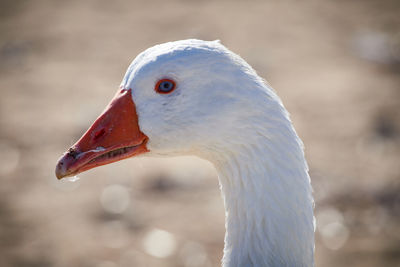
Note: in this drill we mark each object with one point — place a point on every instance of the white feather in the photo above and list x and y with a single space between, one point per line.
224 112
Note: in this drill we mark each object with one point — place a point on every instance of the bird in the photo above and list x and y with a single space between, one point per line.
195 97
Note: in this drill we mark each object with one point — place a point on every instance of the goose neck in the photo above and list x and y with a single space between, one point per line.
268 206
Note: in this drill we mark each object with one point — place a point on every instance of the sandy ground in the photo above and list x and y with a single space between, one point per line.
335 64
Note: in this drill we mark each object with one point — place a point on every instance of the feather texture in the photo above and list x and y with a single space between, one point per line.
222 111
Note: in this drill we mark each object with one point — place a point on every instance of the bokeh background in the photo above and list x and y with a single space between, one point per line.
335 64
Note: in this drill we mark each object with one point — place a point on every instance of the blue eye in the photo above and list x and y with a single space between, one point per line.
165 86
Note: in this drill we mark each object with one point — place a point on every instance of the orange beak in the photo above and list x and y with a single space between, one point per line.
115 135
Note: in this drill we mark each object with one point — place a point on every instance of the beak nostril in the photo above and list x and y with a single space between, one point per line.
99 134
73 152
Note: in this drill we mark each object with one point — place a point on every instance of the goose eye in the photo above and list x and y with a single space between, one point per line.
165 86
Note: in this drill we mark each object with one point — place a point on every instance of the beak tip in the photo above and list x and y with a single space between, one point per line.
61 168
59 172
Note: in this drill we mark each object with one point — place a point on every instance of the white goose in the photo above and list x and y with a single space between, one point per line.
196 97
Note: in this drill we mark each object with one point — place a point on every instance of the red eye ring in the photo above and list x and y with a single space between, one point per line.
165 86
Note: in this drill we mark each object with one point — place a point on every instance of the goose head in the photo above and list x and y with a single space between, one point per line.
195 97
189 97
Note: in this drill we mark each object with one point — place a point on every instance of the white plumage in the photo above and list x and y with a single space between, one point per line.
222 111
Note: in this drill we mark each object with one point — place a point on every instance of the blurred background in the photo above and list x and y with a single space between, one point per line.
335 64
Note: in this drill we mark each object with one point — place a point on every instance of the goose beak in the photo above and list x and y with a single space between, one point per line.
115 135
